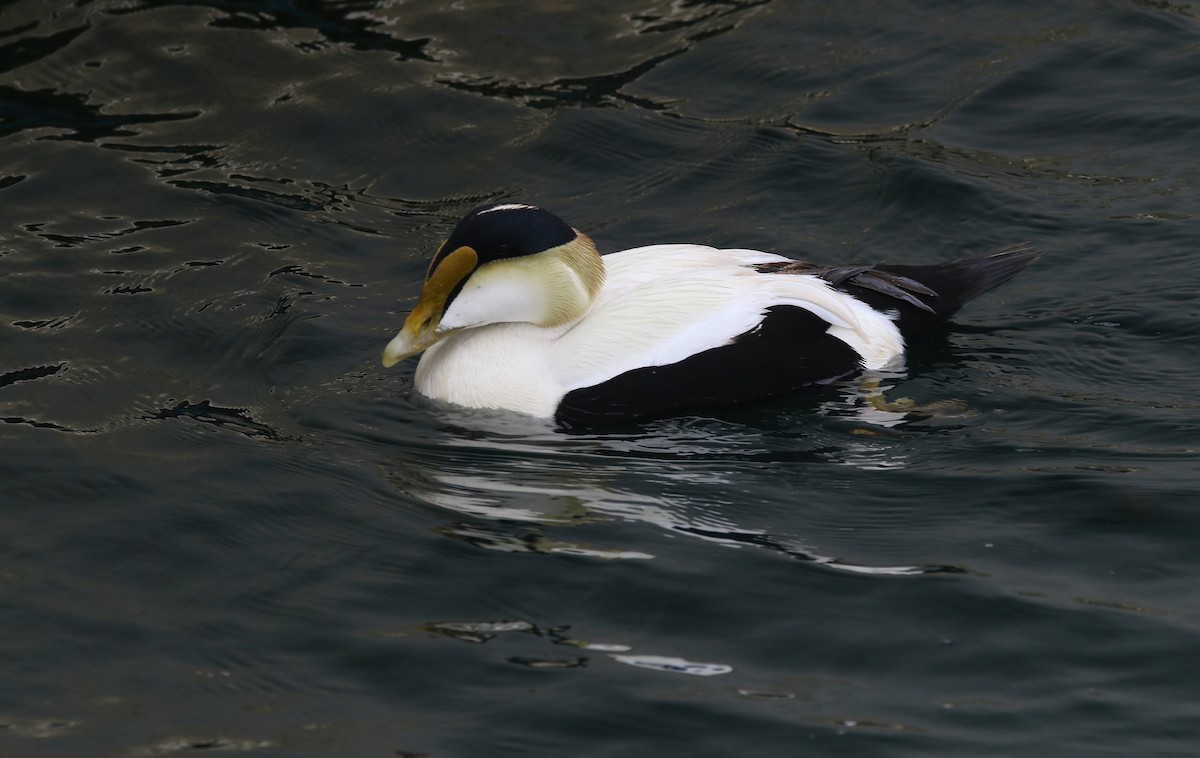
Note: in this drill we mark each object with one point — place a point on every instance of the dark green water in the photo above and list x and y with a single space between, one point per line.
224 527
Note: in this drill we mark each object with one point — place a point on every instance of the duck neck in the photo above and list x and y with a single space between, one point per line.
573 280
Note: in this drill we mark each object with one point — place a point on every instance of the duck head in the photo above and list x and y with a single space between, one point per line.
507 263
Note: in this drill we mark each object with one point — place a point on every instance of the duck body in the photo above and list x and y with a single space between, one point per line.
519 312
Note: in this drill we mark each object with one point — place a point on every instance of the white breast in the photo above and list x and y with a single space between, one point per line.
498 366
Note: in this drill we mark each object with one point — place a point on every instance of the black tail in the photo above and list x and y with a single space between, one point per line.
946 287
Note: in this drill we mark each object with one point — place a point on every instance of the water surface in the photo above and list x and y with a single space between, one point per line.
225 527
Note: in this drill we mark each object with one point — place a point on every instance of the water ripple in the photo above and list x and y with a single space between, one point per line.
70 116
352 25
590 91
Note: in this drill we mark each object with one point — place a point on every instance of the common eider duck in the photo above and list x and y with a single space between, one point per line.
520 312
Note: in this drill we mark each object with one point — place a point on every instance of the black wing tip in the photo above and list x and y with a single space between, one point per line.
926 296
1022 254
992 270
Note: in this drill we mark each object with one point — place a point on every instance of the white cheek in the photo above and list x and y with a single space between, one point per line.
494 296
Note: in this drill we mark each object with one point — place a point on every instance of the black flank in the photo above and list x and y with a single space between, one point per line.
789 349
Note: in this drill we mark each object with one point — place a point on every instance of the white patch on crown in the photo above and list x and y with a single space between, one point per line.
508 207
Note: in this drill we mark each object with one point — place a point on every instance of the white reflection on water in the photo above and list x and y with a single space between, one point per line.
685 478
673 665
